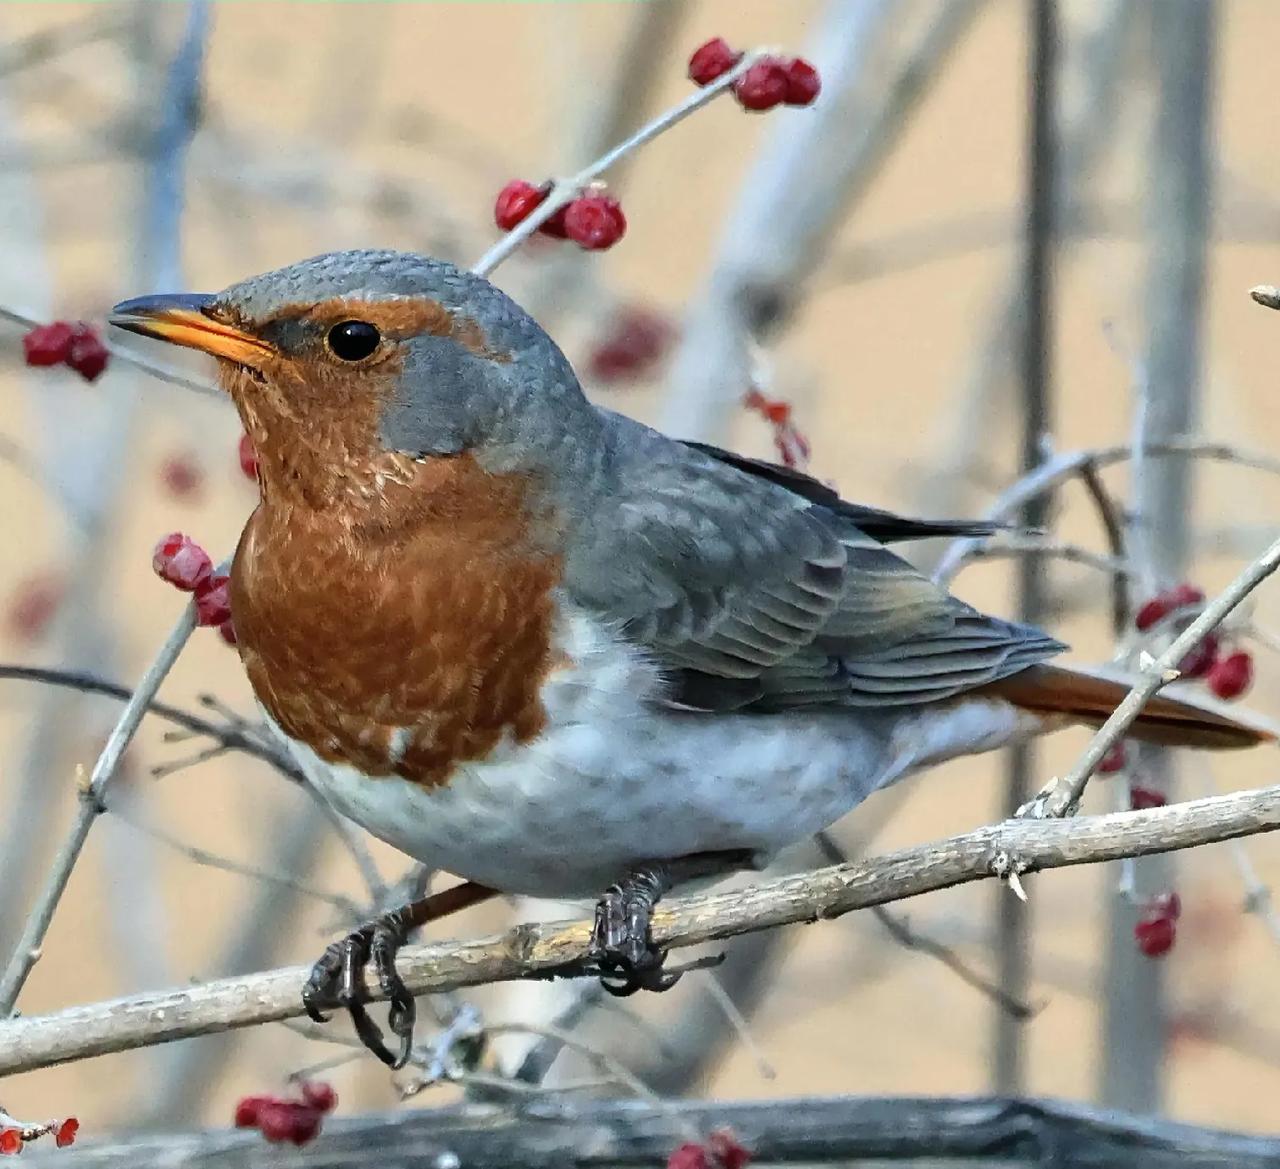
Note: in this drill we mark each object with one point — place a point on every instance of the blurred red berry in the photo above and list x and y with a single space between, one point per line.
287 1120
227 631
727 1151
1231 676
11 1140
1162 604
711 60
1114 760
1141 798
66 1132
634 341
213 600
179 560
86 353
595 222
1199 661
182 476
319 1095
248 457
1155 935
248 1109
47 344
514 203
803 82
1164 905
689 1156
763 86
34 605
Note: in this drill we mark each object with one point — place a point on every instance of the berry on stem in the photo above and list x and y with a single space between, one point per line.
10 1140
1155 935
1141 798
47 344
711 60
1115 759
182 562
1199 661
66 1132
514 203
595 222
86 353
1155 610
763 86
247 1110
213 600
1231 676
803 82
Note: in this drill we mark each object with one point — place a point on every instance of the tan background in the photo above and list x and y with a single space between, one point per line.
450 100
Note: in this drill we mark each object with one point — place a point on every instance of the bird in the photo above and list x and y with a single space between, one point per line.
543 647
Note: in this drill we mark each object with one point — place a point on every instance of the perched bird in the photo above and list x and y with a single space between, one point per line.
550 650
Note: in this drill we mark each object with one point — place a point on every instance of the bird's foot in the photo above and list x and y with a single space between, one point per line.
337 981
622 949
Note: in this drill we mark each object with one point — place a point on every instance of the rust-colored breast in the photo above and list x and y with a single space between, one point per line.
405 638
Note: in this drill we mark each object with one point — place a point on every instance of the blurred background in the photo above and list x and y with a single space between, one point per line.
151 146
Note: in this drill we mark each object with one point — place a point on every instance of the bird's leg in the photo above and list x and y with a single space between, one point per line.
337 979
621 946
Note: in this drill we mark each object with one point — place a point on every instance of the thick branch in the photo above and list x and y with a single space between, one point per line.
1015 846
556 1134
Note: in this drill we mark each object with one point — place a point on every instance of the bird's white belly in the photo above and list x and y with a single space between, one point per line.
615 779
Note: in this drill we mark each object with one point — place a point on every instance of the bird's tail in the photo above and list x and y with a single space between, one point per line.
1076 695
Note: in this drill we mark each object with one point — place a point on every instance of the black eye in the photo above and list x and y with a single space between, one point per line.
353 340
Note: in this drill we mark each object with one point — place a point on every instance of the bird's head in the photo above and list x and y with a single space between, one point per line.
347 363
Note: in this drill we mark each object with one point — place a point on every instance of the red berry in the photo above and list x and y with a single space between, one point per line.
227 631
1200 660
595 222
66 1133
287 1120
803 82
724 1147
248 457
1181 596
712 60
689 1156
514 203
11 1140
1155 935
1164 905
763 86
1114 760
47 344
248 1109
1141 798
34 605
635 340
86 353
182 476
1231 676
319 1095
213 600
182 562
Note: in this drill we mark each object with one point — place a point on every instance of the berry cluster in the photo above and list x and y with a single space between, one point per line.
1226 675
791 445
62 343
284 1118
181 562
634 341
721 1150
594 220
771 81
1157 927
14 1136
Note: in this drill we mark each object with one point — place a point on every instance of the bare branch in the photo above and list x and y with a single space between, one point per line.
1019 846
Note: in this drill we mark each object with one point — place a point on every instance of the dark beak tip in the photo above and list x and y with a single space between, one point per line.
157 305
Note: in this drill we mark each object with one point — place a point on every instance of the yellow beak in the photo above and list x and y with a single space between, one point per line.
183 319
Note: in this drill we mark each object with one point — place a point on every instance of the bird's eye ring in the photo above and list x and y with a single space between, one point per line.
353 340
